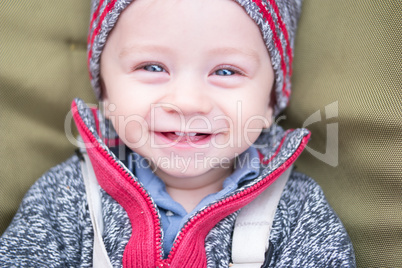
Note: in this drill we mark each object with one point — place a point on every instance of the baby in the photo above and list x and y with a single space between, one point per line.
183 150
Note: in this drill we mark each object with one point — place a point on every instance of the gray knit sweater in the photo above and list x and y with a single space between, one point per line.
52 227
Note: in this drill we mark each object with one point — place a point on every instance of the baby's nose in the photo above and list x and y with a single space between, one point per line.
188 98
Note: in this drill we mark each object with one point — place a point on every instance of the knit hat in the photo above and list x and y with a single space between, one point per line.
277 20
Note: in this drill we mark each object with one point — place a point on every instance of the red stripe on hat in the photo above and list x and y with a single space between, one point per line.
288 48
277 41
109 7
285 31
94 16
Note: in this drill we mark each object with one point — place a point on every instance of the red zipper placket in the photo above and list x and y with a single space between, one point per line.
237 200
127 177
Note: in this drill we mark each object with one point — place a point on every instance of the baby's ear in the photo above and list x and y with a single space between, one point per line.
104 104
269 115
104 100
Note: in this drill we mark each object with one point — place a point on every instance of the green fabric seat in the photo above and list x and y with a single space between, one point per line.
42 68
348 64
347 89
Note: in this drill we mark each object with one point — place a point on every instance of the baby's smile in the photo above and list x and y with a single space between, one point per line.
184 139
185 136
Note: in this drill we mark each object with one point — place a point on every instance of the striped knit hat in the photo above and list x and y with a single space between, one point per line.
277 20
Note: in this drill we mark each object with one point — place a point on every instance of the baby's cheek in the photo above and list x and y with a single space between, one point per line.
132 130
257 115
224 141
252 128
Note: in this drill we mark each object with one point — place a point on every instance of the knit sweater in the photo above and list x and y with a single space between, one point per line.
52 227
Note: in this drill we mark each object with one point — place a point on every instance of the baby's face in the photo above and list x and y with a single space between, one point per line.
187 84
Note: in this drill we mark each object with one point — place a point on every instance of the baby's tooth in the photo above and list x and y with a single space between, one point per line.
191 134
179 133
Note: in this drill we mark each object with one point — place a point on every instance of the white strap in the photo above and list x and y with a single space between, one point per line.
92 188
253 226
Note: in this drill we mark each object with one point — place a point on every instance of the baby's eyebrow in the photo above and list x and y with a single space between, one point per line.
139 49
227 51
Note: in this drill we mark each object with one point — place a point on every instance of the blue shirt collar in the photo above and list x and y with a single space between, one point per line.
246 167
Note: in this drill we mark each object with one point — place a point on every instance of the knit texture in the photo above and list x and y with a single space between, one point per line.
52 227
276 19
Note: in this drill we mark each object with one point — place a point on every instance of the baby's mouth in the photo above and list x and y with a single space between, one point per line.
187 137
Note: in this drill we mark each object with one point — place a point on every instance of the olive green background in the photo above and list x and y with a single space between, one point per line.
348 54
351 52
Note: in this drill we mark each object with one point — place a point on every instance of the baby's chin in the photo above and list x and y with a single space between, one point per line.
193 170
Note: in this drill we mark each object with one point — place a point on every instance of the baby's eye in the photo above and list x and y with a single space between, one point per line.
153 68
224 72
227 70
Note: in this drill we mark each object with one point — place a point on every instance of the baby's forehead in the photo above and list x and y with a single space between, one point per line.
275 19
201 25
